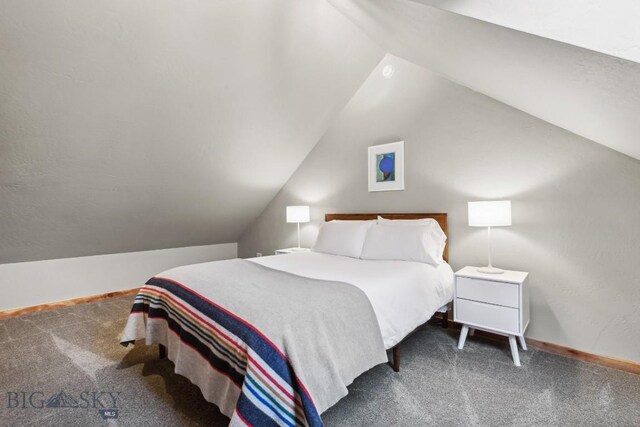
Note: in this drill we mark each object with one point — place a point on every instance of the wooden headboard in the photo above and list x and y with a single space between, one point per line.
440 217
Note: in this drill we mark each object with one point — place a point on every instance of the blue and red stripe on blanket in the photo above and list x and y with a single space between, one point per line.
272 348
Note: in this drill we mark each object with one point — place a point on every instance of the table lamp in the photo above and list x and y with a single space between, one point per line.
490 214
298 214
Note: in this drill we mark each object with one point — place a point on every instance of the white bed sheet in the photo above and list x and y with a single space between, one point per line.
403 294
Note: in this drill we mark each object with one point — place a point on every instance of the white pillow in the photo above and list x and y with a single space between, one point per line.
344 238
436 231
388 242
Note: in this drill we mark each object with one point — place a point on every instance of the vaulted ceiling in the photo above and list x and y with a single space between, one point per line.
591 94
152 124
140 125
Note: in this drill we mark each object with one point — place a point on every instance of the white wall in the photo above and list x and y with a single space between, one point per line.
25 284
607 26
575 202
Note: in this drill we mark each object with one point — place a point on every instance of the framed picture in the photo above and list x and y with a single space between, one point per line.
386 167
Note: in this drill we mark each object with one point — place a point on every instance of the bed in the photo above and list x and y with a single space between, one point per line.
276 340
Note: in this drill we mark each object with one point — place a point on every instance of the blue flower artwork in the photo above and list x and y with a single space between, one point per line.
386 167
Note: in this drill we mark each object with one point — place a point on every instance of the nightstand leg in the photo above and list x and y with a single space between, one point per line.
514 350
471 332
522 343
463 336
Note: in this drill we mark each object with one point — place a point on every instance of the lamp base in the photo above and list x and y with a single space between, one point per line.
490 270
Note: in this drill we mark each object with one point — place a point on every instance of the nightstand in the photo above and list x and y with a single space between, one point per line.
291 250
497 303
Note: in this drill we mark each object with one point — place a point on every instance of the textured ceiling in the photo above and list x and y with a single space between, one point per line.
140 125
591 94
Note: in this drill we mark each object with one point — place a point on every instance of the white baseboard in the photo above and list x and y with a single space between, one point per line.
25 284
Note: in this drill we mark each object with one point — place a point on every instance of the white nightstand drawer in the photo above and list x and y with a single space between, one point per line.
490 316
500 293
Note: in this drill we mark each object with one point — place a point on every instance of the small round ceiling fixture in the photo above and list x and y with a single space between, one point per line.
387 71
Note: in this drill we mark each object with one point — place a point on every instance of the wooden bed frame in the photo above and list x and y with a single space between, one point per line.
442 220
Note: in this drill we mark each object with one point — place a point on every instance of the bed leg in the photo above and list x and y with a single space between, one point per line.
395 362
162 351
445 319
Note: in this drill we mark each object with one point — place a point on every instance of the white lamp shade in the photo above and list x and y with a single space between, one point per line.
297 213
490 213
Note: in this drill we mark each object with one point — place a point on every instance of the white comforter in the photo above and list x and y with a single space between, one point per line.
403 294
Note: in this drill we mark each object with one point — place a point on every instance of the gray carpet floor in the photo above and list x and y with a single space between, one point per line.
69 354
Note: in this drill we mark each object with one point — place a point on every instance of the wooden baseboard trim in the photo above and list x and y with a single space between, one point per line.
609 362
59 304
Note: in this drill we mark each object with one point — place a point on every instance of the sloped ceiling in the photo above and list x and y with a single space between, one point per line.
606 26
591 94
131 126
140 125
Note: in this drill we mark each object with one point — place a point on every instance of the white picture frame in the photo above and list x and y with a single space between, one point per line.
392 156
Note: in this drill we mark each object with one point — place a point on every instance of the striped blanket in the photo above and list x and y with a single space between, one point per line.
267 347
